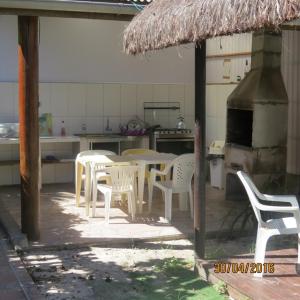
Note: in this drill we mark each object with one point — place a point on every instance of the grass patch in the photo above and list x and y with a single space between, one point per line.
173 278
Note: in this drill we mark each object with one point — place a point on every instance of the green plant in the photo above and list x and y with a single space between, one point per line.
221 287
172 263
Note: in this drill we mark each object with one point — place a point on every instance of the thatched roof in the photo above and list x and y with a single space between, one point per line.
165 23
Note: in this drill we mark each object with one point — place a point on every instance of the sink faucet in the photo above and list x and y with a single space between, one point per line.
107 128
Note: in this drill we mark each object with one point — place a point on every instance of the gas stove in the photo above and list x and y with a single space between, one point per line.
172 140
172 131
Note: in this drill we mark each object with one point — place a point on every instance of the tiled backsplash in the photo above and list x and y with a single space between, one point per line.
82 105
85 105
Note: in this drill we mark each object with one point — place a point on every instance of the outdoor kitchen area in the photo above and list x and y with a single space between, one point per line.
149 150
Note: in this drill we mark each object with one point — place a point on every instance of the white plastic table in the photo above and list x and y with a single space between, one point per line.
142 160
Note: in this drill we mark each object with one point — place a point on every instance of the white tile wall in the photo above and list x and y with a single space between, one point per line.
216 69
45 98
94 100
219 88
161 93
216 108
76 100
236 43
89 105
128 100
59 99
112 100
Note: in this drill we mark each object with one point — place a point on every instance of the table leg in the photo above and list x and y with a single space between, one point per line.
87 192
141 185
78 180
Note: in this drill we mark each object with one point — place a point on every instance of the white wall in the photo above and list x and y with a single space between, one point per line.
236 51
92 104
90 51
86 79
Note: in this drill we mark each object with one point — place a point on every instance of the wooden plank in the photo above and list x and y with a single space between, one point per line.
292 27
199 186
29 125
66 14
236 54
282 284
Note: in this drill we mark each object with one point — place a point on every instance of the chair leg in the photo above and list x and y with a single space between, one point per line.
78 180
131 202
94 199
191 202
168 205
107 197
260 248
129 207
150 195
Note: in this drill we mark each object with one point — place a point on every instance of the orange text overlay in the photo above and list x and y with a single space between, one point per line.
222 267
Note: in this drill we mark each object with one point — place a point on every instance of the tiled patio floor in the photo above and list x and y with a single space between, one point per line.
64 223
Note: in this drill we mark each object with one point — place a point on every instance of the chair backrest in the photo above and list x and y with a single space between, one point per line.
183 170
94 152
122 177
252 193
138 151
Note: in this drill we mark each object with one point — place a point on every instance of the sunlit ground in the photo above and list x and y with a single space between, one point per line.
161 270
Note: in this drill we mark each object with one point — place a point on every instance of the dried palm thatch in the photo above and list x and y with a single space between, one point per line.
167 23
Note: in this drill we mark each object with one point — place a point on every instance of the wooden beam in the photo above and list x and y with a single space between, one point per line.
291 27
200 174
224 55
66 14
29 125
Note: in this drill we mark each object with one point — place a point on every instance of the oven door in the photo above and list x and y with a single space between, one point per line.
175 145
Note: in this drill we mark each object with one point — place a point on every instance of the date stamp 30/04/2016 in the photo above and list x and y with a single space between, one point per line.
228 267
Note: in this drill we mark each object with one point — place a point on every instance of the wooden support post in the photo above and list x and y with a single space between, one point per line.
29 125
200 153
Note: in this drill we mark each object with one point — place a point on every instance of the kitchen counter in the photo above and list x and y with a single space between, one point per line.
43 139
109 136
98 141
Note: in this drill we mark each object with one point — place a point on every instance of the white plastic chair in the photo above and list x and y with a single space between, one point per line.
266 229
182 169
79 176
122 182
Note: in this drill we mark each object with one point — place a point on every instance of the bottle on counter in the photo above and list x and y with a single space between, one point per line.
247 67
63 129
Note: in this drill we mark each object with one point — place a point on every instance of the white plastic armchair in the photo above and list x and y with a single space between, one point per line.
271 227
122 182
79 167
182 169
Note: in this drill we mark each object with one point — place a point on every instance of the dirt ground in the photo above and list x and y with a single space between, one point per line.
161 270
